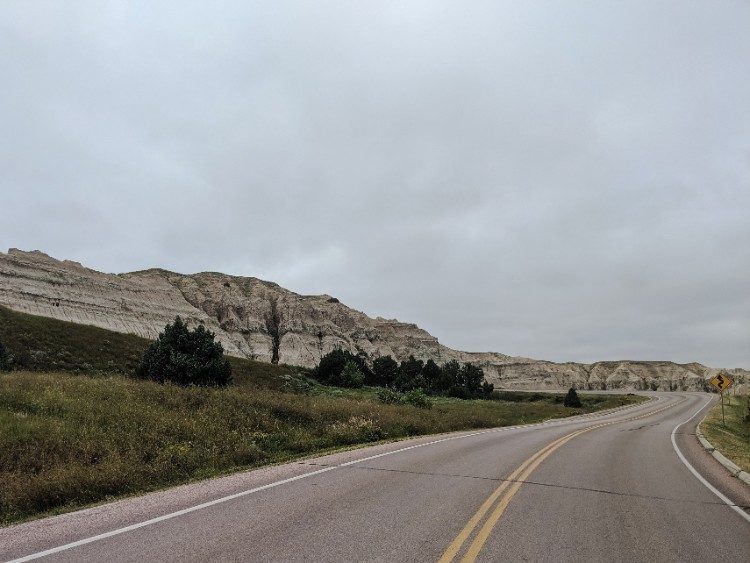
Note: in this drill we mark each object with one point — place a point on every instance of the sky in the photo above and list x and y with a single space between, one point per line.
556 180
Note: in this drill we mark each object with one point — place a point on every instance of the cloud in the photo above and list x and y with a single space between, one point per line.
564 182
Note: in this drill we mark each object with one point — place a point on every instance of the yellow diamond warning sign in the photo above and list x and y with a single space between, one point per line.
721 381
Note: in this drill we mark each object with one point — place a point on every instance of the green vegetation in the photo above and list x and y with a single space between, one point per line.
388 396
75 431
39 343
43 344
732 438
185 357
385 370
450 380
5 363
343 369
415 397
350 376
572 400
69 440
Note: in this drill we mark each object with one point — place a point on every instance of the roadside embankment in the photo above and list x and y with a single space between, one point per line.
729 441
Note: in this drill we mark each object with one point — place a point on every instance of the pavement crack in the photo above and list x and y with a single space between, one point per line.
425 473
641 427
634 495
537 483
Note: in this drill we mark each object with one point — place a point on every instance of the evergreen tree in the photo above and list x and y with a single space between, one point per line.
185 357
410 375
350 376
361 361
449 378
385 370
471 379
487 389
431 374
572 399
331 366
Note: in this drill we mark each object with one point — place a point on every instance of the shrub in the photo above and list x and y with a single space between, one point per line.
5 363
487 389
471 379
448 378
415 397
389 396
418 398
572 400
452 379
185 357
431 373
385 370
350 376
410 375
331 366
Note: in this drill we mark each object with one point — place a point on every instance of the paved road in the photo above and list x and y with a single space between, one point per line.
605 487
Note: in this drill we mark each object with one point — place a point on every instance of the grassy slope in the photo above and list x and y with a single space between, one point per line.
39 343
733 438
70 439
43 344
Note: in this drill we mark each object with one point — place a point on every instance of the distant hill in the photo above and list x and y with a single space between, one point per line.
260 320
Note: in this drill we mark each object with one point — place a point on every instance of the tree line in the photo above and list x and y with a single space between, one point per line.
193 357
452 379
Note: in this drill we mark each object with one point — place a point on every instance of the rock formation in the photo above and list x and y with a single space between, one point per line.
261 320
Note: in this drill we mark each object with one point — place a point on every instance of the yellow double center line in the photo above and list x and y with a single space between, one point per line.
512 483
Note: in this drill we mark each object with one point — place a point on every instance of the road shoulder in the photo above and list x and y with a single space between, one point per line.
708 466
733 469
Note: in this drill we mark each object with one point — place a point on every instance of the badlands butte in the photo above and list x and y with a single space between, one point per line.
261 320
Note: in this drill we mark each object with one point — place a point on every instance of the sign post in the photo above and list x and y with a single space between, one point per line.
721 381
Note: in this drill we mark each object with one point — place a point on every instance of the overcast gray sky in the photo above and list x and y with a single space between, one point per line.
564 180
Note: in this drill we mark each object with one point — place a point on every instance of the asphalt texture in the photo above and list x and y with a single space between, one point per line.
618 491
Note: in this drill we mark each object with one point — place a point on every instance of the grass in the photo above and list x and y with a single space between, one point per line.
43 344
76 432
40 343
733 438
69 439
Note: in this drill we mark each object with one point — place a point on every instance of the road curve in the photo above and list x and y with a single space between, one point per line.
600 487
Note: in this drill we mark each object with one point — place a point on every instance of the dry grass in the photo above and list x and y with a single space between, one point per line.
70 440
733 438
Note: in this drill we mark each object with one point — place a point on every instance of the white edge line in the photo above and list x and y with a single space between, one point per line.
697 475
274 484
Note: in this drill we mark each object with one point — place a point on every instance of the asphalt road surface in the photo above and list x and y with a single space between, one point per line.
610 487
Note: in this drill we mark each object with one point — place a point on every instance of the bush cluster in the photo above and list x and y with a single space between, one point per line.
342 369
452 379
415 397
185 357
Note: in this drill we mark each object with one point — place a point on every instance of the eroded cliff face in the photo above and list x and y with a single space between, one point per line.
251 317
261 320
628 375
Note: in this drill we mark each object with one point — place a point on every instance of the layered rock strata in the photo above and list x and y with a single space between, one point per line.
261 320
